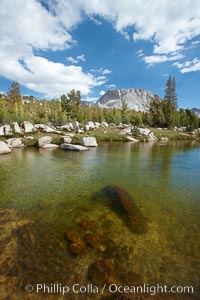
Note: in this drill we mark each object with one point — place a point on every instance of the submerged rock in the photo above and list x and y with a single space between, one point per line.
86 224
124 206
10 272
76 244
72 234
102 272
109 249
41 255
92 240
77 247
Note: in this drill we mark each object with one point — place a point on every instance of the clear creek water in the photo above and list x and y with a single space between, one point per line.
55 189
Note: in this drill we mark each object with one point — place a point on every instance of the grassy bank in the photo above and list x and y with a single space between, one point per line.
173 135
101 134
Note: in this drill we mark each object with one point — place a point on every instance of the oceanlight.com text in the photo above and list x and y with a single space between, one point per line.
56 288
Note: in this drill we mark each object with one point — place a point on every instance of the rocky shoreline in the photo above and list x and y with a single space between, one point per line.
77 137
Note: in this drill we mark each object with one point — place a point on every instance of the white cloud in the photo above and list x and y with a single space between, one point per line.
126 35
195 42
168 25
72 60
97 22
101 93
100 80
91 99
154 59
81 57
77 59
111 86
192 68
26 26
106 71
101 70
140 53
50 78
189 66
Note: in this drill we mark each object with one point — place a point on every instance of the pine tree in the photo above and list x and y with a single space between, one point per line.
117 117
13 96
63 100
170 102
170 91
3 111
71 103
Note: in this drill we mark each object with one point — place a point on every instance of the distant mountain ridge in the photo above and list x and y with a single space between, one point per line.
86 103
135 98
196 111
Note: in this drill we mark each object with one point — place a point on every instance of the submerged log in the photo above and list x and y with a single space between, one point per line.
122 203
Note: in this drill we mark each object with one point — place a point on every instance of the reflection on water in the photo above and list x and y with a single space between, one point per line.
56 188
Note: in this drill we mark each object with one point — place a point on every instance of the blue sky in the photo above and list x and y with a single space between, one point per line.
51 47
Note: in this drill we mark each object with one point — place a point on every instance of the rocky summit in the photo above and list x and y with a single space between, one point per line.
135 98
196 111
